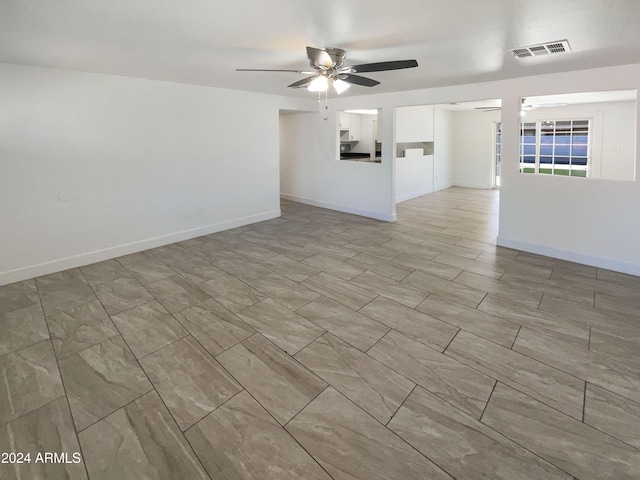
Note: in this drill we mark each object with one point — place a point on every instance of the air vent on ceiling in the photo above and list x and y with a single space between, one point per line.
559 46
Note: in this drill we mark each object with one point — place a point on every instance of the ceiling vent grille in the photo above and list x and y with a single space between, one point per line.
560 46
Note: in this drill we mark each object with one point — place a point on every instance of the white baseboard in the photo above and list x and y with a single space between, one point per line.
471 185
80 260
409 196
437 188
592 260
340 208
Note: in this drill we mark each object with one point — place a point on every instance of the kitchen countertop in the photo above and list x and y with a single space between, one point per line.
354 155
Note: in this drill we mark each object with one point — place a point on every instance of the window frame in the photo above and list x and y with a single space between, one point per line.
594 144
541 130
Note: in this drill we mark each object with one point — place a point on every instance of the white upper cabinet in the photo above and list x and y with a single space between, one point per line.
414 124
349 127
354 127
345 121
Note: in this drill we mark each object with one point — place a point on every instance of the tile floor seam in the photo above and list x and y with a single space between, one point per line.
515 338
153 387
415 385
302 306
280 303
424 387
378 341
596 383
364 306
376 361
184 432
519 444
453 280
64 389
598 429
393 328
488 399
256 399
384 426
584 402
460 329
327 331
199 342
517 387
15 352
572 418
163 306
328 385
188 335
298 362
184 437
303 447
90 346
450 341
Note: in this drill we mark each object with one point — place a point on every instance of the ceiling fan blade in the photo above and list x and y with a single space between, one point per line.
303 83
358 80
384 66
488 109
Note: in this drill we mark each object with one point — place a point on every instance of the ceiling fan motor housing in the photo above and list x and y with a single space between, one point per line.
326 58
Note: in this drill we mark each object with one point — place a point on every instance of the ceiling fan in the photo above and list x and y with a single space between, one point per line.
329 69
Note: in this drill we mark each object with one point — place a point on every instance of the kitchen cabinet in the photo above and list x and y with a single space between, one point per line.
354 127
345 120
349 127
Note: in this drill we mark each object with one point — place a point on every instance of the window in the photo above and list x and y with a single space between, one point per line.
555 147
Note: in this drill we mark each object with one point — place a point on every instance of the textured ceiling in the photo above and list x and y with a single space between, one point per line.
202 41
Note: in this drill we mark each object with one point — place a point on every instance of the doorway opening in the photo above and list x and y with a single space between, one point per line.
444 145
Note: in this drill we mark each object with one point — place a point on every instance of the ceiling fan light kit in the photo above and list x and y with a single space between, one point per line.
318 84
329 69
340 86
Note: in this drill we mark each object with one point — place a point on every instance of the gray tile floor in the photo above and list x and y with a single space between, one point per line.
324 345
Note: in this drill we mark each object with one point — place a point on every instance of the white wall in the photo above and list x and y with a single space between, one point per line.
414 124
474 148
414 175
95 166
443 149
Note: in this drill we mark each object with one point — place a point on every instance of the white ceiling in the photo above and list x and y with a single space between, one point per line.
203 41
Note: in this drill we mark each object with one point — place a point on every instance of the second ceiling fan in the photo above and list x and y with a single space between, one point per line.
329 69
